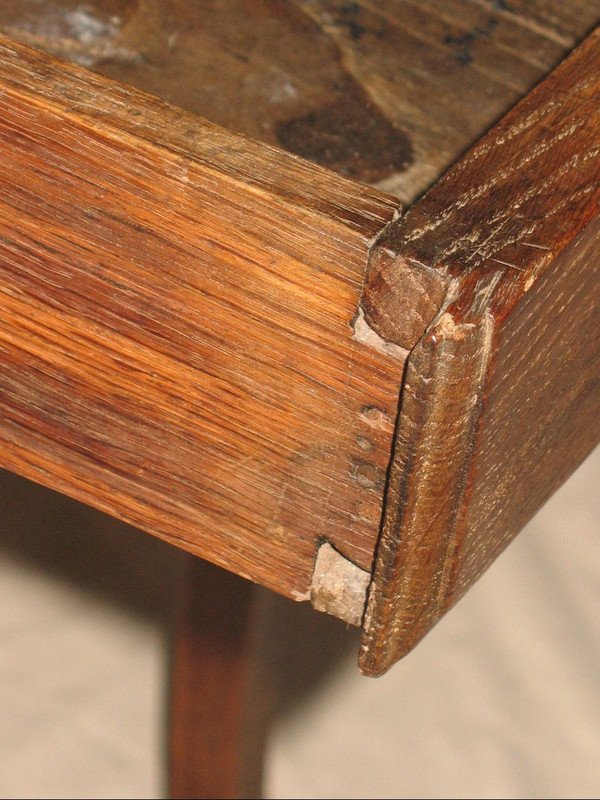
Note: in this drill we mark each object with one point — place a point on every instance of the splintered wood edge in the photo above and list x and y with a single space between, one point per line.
471 261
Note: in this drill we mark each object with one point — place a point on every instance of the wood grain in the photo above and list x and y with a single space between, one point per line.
175 327
392 91
502 394
178 302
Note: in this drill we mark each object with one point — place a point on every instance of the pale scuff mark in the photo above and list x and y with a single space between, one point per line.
376 418
300 597
87 28
78 34
338 586
364 334
446 328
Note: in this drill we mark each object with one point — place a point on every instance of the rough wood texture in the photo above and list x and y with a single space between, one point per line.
391 91
178 303
175 327
502 394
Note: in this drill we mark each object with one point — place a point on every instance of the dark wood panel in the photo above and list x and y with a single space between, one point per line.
502 395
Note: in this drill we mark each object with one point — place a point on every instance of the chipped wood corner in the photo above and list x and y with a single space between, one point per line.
338 586
365 334
507 308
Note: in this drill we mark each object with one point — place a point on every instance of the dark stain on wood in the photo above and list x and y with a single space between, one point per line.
349 13
351 137
461 45
427 78
344 82
263 68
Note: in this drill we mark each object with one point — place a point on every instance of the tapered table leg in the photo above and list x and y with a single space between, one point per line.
219 702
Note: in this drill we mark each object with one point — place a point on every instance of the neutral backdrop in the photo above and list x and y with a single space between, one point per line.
502 699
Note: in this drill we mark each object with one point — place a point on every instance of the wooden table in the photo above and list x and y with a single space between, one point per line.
252 349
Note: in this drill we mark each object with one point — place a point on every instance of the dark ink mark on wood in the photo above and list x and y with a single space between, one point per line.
462 44
349 13
461 47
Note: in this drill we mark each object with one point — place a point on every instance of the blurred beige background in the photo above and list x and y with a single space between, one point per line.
502 699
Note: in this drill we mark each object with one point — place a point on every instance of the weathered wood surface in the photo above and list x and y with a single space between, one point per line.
391 91
502 395
175 326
